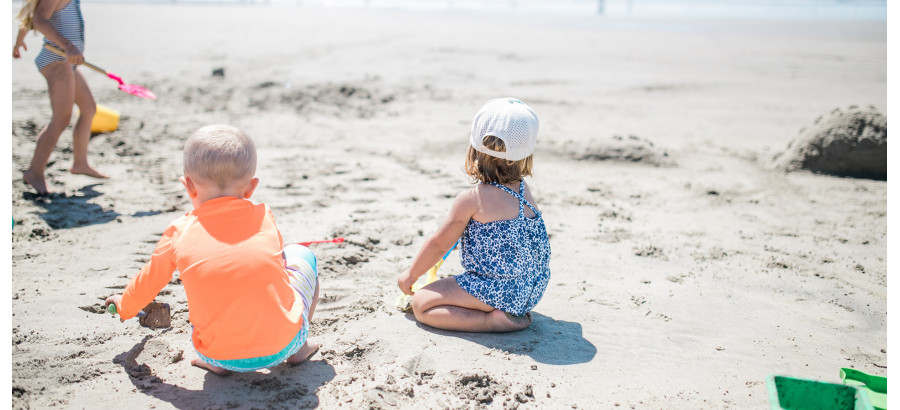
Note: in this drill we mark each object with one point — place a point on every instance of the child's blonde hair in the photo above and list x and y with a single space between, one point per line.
481 167
220 154
26 14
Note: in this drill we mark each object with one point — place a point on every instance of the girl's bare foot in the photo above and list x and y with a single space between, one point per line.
198 362
87 170
36 181
505 322
306 351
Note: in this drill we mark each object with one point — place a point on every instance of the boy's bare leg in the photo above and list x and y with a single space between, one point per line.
310 347
198 362
445 305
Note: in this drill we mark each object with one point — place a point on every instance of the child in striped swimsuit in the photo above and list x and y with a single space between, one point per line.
63 26
250 298
504 247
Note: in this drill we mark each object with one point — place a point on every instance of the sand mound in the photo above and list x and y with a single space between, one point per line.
156 315
618 148
847 143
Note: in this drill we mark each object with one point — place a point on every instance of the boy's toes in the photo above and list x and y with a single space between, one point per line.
308 350
197 362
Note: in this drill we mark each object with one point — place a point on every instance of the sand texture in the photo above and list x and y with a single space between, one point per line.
686 266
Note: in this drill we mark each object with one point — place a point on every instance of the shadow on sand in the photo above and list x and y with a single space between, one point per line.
283 387
63 211
547 340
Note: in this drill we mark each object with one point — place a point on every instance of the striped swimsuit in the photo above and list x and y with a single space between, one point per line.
69 24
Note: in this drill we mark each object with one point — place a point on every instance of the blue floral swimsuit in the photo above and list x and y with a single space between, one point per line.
507 262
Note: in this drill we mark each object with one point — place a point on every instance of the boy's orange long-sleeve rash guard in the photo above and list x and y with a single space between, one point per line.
229 254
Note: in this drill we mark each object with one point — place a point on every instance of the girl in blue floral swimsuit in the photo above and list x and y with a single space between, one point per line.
504 247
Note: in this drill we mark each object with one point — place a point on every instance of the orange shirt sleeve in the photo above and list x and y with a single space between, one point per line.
152 278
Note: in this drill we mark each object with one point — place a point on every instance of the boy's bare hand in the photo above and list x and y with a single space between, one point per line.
114 300
405 282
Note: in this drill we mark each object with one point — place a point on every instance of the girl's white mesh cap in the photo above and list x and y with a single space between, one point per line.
510 120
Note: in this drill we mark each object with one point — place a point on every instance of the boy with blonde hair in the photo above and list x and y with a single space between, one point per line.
250 298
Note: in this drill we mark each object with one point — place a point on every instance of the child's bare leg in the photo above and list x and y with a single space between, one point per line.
310 347
198 362
313 303
61 87
81 132
445 305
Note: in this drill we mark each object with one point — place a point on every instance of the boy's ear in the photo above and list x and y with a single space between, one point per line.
189 186
248 192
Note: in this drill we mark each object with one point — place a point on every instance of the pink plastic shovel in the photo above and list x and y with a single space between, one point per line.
132 89
335 240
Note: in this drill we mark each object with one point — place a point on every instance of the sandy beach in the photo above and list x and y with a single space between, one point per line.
686 268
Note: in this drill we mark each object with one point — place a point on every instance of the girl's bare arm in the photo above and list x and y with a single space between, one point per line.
20 42
464 206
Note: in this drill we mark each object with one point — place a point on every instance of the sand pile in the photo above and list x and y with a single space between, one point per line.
847 143
617 148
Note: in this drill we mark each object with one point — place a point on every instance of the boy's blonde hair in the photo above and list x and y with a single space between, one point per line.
220 154
481 167
26 14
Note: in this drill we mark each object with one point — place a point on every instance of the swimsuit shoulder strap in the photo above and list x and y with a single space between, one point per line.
520 196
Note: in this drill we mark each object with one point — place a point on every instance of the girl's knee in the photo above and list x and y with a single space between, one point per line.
58 124
61 118
420 302
87 111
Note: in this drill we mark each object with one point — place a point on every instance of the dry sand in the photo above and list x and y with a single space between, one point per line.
685 267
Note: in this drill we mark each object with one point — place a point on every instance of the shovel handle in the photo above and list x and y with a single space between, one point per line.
335 240
63 54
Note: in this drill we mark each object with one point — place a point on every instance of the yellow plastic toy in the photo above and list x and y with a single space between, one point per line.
105 120
404 301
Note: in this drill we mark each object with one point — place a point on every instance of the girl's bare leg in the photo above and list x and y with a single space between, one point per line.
310 347
445 305
61 87
81 133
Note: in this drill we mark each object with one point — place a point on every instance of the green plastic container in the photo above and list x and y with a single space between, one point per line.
789 393
874 386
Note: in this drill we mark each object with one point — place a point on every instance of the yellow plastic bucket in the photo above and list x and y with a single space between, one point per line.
105 120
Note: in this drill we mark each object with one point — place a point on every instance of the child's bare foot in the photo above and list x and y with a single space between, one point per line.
306 351
509 323
36 181
198 362
87 170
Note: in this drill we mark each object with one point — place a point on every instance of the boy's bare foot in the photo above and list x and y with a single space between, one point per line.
198 362
308 349
509 323
87 170
36 181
